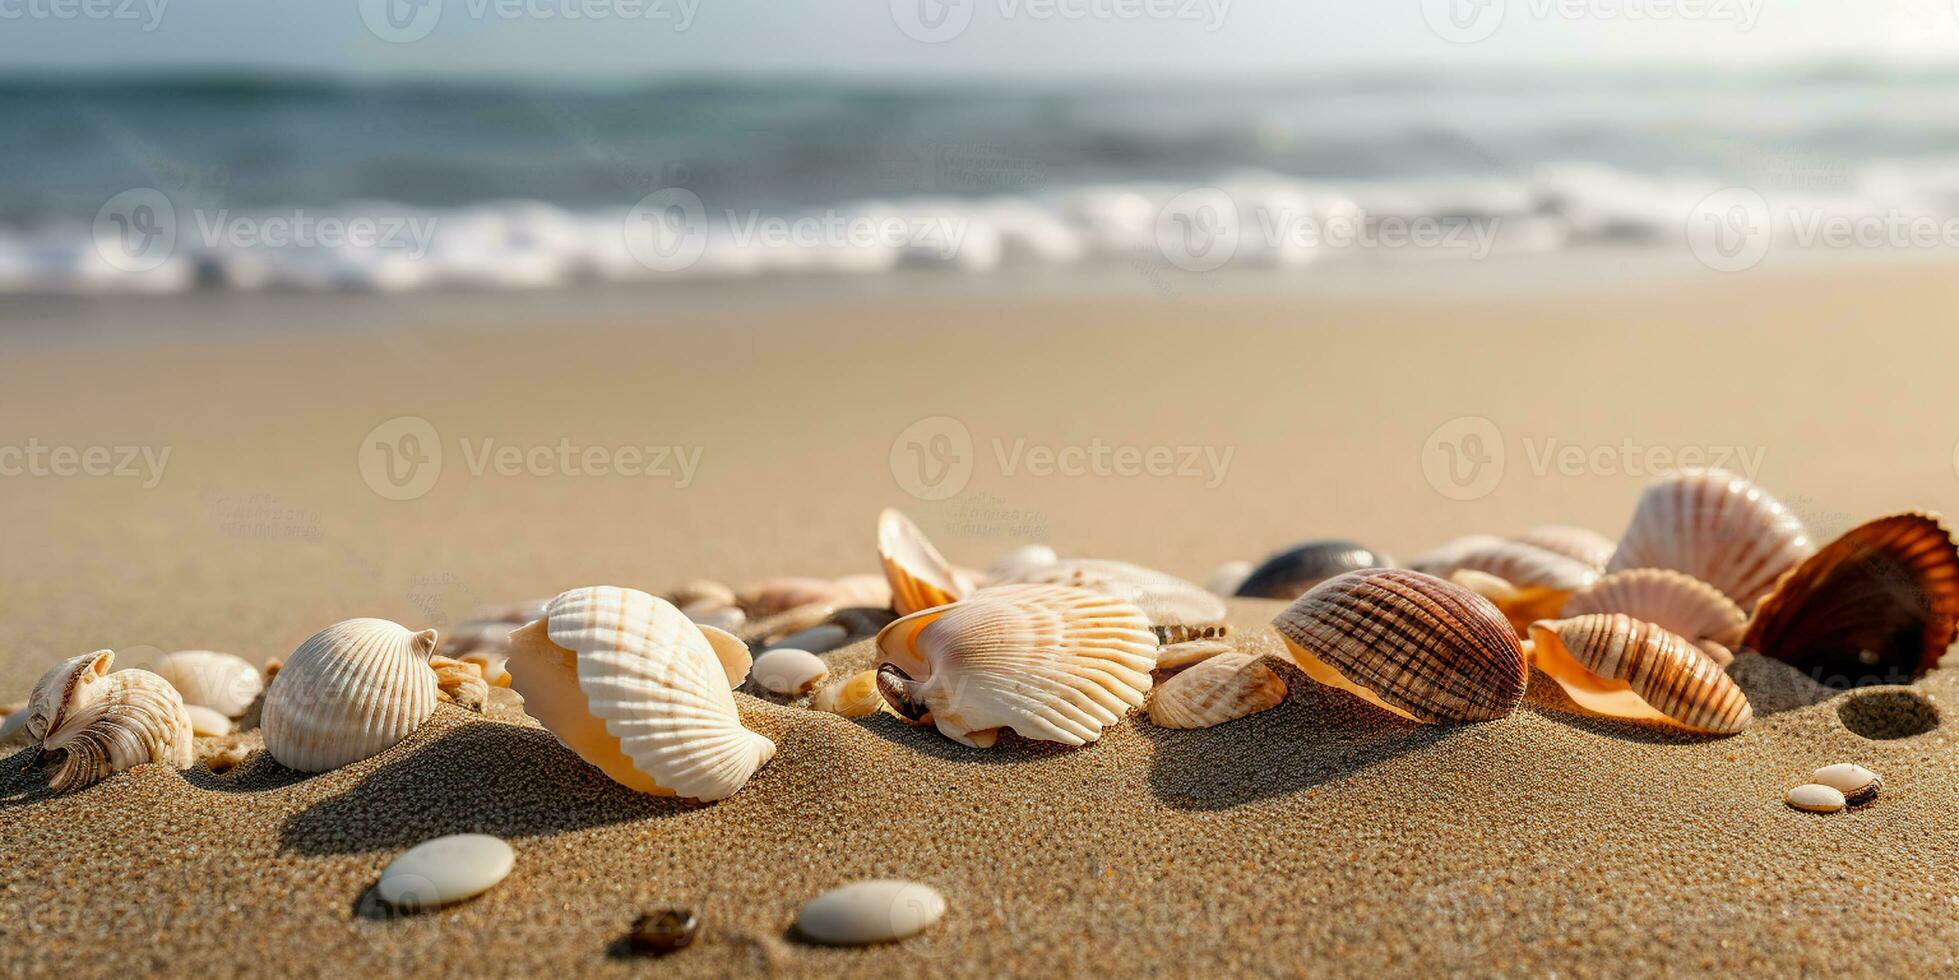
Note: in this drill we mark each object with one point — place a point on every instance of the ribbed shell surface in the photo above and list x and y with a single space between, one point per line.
1674 601
919 576
1431 648
1717 527
1224 688
349 692
103 723
1664 669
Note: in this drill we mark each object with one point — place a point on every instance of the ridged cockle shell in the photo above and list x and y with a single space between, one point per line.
638 690
1178 611
1413 644
1539 580
1619 666
1717 527
1049 662
1674 601
103 723
349 692
1224 688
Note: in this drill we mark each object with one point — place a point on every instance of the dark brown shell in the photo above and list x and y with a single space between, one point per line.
1288 574
1428 648
1878 605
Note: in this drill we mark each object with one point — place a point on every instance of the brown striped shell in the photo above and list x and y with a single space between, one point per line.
1223 688
1616 665
1717 527
920 577
1674 601
1580 543
1539 580
1878 605
1415 645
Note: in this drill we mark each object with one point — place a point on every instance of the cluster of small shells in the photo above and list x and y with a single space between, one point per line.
1835 787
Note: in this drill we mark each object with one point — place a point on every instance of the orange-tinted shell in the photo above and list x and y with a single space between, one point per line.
1410 643
1878 605
920 577
1616 665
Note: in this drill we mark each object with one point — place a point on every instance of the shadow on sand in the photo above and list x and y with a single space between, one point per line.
484 777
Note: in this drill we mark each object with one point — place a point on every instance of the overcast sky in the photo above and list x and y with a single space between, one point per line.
630 39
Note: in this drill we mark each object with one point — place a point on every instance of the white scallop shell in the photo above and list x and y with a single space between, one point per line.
1674 601
632 686
220 681
1717 527
1581 543
348 693
1221 689
1049 662
1177 610
1526 566
104 723
919 576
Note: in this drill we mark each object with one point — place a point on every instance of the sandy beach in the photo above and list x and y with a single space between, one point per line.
767 431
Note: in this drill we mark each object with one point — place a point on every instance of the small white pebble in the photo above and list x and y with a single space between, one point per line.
205 722
445 870
788 671
1857 784
1816 798
821 638
867 912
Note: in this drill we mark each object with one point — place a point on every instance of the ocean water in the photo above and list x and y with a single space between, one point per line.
176 184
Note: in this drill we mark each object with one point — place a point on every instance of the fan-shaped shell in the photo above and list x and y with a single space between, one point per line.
220 681
1538 581
1717 527
632 686
1050 662
1178 611
103 723
1288 574
348 693
1674 601
1878 605
1616 665
1415 645
1224 688
919 576
1579 543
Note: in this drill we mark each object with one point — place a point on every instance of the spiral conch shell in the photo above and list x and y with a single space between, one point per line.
1050 662
1879 604
1412 644
1224 688
348 693
1674 601
638 690
920 577
1627 668
220 681
1717 527
106 722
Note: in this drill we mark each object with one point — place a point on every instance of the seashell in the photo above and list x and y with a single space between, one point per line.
1579 543
13 724
1178 611
1616 665
860 621
821 638
788 671
1288 574
856 697
663 932
208 722
779 594
865 591
727 619
1050 662
1177 656
1413 644
272 667
103 723
1879 604
1021 559
219 681
773 628
491 666
1446 557
919 576
1717 527
1227 577
1674 601
470 637
706 594
1857 784
630 685
1221 689
1816 798
348 693
445 871
1539 581
460 682
866 912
